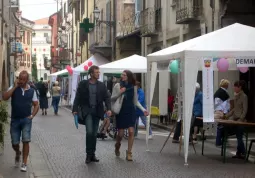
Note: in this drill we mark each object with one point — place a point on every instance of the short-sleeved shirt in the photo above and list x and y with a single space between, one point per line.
35 98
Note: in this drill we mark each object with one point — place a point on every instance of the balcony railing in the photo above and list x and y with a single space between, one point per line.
64 54
188 11
150 22
130 24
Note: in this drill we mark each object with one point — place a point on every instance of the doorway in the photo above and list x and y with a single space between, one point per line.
248 77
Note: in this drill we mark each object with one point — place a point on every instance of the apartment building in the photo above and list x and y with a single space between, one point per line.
41 40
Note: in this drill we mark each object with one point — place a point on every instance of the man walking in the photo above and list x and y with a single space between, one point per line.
90 97
23 97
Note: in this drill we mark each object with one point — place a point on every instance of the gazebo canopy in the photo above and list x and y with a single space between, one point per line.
232 42
134 63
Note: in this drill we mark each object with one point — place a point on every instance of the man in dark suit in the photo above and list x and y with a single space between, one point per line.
90 97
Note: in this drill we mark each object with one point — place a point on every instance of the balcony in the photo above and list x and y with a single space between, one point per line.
188 11
64 54
150 22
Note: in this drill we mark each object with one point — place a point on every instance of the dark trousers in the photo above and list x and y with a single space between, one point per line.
55 103
177 132
91 134
233 130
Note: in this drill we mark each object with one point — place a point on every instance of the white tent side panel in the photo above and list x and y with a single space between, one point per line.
190 77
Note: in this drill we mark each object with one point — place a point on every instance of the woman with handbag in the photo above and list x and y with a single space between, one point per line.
56 90
124 102
43 92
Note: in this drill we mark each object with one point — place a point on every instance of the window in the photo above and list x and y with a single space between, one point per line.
24 37
45 34
28 60
28 38
157 14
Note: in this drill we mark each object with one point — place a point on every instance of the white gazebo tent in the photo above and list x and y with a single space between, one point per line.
234 41
134 63
96 59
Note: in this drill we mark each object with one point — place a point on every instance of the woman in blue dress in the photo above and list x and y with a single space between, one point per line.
126 118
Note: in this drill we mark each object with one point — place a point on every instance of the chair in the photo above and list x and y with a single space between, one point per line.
155 112
248 153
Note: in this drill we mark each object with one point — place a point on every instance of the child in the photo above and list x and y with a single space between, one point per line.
104 127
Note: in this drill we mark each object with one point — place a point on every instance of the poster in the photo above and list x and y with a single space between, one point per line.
208 103
74 85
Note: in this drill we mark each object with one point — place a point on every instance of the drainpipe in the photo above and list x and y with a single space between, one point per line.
87 46
114 31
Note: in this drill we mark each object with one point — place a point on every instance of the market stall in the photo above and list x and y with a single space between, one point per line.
219 50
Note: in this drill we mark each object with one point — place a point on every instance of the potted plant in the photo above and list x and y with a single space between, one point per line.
3 121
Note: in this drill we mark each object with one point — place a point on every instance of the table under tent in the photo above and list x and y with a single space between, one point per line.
232 43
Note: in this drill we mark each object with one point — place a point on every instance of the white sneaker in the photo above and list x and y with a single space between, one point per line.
150 137
23 168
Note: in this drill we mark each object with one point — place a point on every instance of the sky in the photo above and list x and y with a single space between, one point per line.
37 9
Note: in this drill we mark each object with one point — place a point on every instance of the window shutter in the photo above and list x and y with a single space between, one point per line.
108 18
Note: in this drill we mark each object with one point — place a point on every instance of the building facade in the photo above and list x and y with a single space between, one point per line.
42 47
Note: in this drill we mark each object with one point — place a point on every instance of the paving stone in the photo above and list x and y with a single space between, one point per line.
63 147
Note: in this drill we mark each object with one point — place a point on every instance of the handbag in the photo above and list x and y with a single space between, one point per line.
48 94
116 106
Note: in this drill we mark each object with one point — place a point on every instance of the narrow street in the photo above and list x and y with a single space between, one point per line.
58 147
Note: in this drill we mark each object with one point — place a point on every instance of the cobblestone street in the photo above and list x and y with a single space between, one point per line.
58 147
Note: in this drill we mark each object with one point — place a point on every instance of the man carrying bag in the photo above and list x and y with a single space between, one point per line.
89 102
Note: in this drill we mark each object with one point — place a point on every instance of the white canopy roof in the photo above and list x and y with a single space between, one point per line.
62 72
134 63
96 59
234 41
231 41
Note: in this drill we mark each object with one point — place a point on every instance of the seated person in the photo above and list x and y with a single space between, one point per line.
238 113
104 128
197 112
221 107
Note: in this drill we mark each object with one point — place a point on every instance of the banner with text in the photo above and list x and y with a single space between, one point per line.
208 103
245 62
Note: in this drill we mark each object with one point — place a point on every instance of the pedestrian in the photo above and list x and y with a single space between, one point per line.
56 91
90 97
43 97
126 118
23 98
139 113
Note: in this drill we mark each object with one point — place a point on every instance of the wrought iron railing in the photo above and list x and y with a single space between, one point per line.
150 21
187 11
130 24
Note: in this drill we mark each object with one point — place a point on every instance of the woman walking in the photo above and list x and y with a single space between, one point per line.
126 118
43 98
56 97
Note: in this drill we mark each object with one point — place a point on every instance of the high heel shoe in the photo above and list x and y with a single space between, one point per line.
129 156
117 149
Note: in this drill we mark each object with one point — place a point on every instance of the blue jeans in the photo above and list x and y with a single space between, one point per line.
234 130
240 143
144 121
20 127
91 134
55 103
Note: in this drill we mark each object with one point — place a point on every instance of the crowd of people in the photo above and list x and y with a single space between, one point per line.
125 102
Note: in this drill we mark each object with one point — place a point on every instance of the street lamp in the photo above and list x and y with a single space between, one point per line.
96 13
